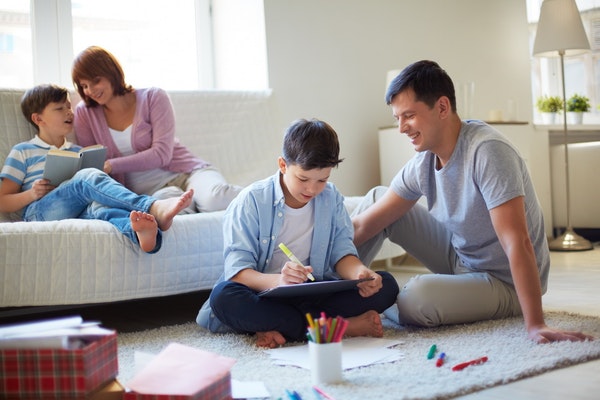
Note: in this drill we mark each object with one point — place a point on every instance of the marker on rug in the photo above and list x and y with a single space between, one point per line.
461 366
440 360
321 393
292 395
431 353
293 258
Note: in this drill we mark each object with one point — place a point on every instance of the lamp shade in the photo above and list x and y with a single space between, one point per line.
560 30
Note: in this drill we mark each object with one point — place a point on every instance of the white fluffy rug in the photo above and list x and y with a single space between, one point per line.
511 357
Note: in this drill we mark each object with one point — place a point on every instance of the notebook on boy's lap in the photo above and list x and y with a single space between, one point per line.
311 288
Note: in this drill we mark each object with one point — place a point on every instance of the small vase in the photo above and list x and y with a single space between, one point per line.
575 118
548 118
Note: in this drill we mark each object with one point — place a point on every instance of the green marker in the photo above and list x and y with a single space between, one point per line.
293 258
431 352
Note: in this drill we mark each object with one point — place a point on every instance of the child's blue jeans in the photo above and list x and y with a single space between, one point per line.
92 194
243 311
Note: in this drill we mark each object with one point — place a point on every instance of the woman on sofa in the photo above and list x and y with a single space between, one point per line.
138 128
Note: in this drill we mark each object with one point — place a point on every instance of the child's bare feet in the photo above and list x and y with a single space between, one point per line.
165 210
367 324
270 339
145 227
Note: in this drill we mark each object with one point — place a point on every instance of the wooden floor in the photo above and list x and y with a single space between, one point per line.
574 285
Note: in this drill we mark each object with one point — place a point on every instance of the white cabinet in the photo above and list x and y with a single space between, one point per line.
393 153
395 150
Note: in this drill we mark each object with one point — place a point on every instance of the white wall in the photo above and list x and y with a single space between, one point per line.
329 59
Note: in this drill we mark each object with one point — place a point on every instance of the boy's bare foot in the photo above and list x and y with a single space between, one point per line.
270 339
165 210
367 324
145 227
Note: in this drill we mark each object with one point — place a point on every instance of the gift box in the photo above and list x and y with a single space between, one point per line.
53 374
182 373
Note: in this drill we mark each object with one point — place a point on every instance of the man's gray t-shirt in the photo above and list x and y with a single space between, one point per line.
484 171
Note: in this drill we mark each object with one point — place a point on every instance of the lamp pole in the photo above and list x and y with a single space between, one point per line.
569 240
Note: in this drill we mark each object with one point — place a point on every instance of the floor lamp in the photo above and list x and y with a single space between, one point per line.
560 32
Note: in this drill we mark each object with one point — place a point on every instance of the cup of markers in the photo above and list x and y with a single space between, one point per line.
325 348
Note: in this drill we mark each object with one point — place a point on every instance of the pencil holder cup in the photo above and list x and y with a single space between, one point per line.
325 362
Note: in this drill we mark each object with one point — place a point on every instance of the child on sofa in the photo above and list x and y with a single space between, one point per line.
90 194
298 207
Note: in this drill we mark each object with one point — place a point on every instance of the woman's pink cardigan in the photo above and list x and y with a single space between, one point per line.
152 136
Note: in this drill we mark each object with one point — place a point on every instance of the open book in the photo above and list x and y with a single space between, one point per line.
63 164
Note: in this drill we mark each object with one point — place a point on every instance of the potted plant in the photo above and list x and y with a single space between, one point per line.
576 106
549 106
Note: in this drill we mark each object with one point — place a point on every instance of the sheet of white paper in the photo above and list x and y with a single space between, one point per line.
356 352
249 390
39 326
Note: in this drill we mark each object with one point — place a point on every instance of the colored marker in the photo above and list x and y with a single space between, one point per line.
461 366
310 320
440 360
293 395
431 353
320 392
293 258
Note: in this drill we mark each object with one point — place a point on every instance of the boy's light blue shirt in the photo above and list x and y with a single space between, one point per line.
258 212
25 162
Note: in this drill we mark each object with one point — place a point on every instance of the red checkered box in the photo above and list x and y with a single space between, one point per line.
53 374
182 373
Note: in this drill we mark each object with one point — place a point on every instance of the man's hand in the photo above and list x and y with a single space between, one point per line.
544 334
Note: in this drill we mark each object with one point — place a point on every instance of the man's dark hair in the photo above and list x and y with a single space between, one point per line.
428 81
311 144
38 97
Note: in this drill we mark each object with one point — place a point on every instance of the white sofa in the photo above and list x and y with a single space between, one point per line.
79 262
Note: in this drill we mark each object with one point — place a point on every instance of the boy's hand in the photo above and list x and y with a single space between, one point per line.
369 288
293 273
40 188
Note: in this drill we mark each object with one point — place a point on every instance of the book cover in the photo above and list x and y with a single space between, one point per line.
183 372
63 164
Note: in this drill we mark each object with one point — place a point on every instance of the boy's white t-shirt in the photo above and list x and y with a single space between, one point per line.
296 233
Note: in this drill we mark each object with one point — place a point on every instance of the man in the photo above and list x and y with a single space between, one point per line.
482 232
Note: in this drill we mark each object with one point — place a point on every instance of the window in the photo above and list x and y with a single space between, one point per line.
15 44
157 43
582 73
176 45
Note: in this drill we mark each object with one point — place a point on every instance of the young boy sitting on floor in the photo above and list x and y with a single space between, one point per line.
90 194
297 207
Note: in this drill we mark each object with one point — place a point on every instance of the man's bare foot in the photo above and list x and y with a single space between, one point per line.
165 210
145 227
367 324
270 339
